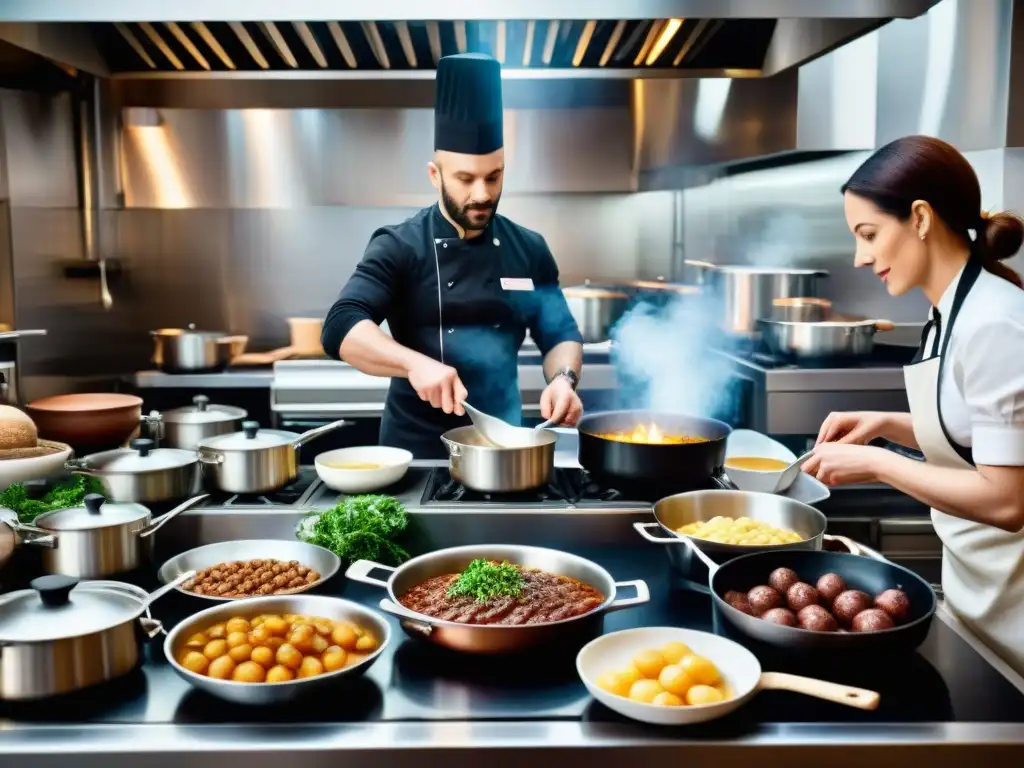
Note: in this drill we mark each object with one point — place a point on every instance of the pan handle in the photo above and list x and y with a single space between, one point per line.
360 570
643 530
722 481
861 698
409 619
643 595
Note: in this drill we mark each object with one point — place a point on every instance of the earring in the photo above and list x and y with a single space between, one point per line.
922 236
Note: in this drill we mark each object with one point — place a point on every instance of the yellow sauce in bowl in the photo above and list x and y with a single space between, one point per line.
755 464
352 465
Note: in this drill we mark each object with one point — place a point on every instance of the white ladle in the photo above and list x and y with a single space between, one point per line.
501 433
788 475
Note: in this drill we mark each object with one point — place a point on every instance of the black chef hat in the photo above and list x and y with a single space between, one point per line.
467 107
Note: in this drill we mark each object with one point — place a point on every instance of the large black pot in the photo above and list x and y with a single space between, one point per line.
681 467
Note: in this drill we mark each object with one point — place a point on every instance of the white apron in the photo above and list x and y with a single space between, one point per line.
982 566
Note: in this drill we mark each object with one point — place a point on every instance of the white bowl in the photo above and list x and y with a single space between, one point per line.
739 668
746 442
394 464
37 468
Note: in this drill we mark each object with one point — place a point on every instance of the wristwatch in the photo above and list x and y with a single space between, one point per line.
570 374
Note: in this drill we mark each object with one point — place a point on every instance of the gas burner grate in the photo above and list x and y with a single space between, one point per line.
567 485
289 496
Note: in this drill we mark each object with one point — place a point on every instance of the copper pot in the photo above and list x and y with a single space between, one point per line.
87 420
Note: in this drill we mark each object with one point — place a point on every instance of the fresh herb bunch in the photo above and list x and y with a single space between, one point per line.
61 496
359 528
485 580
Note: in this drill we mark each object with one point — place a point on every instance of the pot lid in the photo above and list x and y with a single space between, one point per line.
201 412
190 330
140 457
94 513
251 438
60 607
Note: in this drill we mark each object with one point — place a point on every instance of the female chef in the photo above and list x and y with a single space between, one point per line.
914 208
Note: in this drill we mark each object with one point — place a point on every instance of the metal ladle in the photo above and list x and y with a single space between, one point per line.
501 433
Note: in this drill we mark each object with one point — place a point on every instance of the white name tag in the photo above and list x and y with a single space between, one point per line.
516 284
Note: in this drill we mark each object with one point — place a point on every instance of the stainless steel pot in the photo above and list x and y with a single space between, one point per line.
673 512
746 293
596 310
801 310
63 635
142 473
185 428
256 460
12 537
827 340
495 638
482 466
186 350
99 539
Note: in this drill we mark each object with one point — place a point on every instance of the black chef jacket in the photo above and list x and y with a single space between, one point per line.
466 303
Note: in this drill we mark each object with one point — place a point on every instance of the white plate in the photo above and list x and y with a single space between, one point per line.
395 463
746 442
37 468
739 668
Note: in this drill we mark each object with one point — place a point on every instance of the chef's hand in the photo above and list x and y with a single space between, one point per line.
854 427
439 384
560 403
845 464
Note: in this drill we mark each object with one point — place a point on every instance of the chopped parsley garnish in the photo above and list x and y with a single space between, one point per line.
485 580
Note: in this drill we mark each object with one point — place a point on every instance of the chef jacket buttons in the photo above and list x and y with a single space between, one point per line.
496 241
450 330
451 283
444 245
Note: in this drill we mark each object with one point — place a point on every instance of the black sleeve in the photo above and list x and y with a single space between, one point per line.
369 292
553 323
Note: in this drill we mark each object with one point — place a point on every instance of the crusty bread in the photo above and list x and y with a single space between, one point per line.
17 430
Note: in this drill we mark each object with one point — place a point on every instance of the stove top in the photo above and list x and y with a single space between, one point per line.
882 356
295 495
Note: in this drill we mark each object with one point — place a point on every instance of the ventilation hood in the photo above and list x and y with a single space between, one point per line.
404 39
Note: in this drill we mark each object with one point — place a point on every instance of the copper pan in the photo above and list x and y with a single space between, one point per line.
88 419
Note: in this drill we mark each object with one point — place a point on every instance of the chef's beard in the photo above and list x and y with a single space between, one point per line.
460 214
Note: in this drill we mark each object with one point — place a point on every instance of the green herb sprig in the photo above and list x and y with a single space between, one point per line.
359 528
485 580
61 496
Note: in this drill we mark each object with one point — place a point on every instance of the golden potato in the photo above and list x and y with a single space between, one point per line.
358 630
259 635
291 618
311 667
367 643
675 679
323 627
741 531
302 636
194 661
630 674
279 674
215 648
334 658
645 690
319 643
345 637
289 656
614 683
240 653
263 656
198 641
237 624
221 668
703 694
217 631
674 651
256 622
274 642
275 625
237 638
249 672
700 669
649 663
666 699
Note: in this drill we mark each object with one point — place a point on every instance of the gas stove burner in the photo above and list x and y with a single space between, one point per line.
289 496
567 485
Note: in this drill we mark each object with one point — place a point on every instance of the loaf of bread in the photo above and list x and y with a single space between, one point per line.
17 430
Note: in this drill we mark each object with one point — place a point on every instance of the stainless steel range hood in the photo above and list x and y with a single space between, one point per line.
404 39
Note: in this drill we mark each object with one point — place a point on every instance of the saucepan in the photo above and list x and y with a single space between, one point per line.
596 310
668 450
834 339
495 638
141 472
482 466
256 460
187 350
871 575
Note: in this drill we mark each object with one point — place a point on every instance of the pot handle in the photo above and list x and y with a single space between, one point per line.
722 481
305 437
885 325
360 571
209 457
158 523
453 448
861 698
409 619
151 627
643 530
32 535
80 466
643 595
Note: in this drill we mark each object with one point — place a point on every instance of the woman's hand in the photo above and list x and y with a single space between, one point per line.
854 427
845 464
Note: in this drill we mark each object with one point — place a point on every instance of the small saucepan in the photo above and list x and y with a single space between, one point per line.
482 466
828 340
142 473
670 451
256 460
866 574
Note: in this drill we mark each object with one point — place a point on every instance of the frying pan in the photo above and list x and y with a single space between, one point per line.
739 668
863 573
682 466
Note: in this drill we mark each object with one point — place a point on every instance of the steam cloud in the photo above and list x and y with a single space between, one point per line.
663 360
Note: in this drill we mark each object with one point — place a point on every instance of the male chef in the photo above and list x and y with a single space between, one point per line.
459 286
